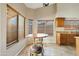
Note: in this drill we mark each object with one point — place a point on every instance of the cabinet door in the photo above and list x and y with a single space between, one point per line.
63 39
72 39
68 37
60 22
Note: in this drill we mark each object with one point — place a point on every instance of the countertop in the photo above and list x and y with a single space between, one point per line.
65 32
77 37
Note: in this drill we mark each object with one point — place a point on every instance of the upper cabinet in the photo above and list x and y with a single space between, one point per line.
60 22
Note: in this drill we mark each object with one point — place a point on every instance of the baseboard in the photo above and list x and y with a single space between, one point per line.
23 48
20 50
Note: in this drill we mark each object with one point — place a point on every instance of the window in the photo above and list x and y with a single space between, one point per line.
49 27
45 26
30 26
15 26
12 26
41 26
21 27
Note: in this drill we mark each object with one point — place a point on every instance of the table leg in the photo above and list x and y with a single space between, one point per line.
41 39
42 51
34 41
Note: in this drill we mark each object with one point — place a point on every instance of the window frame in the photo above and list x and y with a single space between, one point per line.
7 44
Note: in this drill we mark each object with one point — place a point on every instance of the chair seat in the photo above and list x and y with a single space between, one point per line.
36 48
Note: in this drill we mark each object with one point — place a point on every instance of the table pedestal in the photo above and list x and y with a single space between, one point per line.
32 53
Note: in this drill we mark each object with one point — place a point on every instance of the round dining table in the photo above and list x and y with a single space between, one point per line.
39 36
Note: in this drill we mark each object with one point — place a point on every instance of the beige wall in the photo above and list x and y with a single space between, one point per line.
46 12
68 10
21 8
3 29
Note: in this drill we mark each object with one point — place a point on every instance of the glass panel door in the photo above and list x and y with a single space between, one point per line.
45 26
41 26
49 28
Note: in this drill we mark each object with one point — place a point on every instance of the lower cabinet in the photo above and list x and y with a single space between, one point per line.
66 39
63 39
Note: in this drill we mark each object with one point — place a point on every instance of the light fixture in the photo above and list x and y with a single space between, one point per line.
45 4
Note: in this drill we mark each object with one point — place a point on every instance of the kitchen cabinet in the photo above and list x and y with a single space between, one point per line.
63 39
60 22
66 38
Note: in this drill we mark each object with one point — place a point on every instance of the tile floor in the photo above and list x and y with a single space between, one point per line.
51 49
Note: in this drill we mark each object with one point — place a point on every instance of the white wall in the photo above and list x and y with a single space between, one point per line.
3 29
69 10
0 28
46 12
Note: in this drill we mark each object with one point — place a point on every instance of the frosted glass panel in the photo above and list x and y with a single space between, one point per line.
30 26
20 27
49 27
12 30
41 26
12 26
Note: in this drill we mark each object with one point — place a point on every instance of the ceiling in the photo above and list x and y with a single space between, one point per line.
35 5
